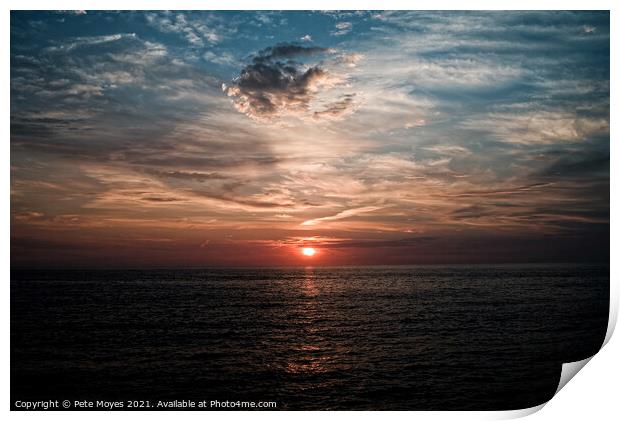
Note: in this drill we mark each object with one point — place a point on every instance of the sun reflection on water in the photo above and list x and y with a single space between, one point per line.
309 357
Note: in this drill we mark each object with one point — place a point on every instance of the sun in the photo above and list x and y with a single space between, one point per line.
308 251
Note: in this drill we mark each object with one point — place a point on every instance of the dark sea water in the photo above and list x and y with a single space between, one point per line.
416 338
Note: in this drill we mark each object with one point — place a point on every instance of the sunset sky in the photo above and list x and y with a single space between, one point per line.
187 139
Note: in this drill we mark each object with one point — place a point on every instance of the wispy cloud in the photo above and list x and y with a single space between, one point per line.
341 215
196 31
342 28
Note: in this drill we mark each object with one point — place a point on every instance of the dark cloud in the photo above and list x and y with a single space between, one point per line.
191 176
402 242
158 199
248 203
218 162
474 211
284 50
274 83
590 164
503 192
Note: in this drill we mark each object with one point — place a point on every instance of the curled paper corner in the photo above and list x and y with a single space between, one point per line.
569 370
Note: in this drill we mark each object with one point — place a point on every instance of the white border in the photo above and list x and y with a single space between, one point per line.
310 5
593 394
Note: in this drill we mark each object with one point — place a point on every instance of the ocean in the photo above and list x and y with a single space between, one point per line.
483 337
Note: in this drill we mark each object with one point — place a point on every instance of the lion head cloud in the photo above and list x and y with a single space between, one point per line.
292 80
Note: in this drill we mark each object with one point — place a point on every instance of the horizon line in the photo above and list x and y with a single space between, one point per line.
181 268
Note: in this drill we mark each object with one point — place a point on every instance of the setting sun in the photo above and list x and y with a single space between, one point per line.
308 251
